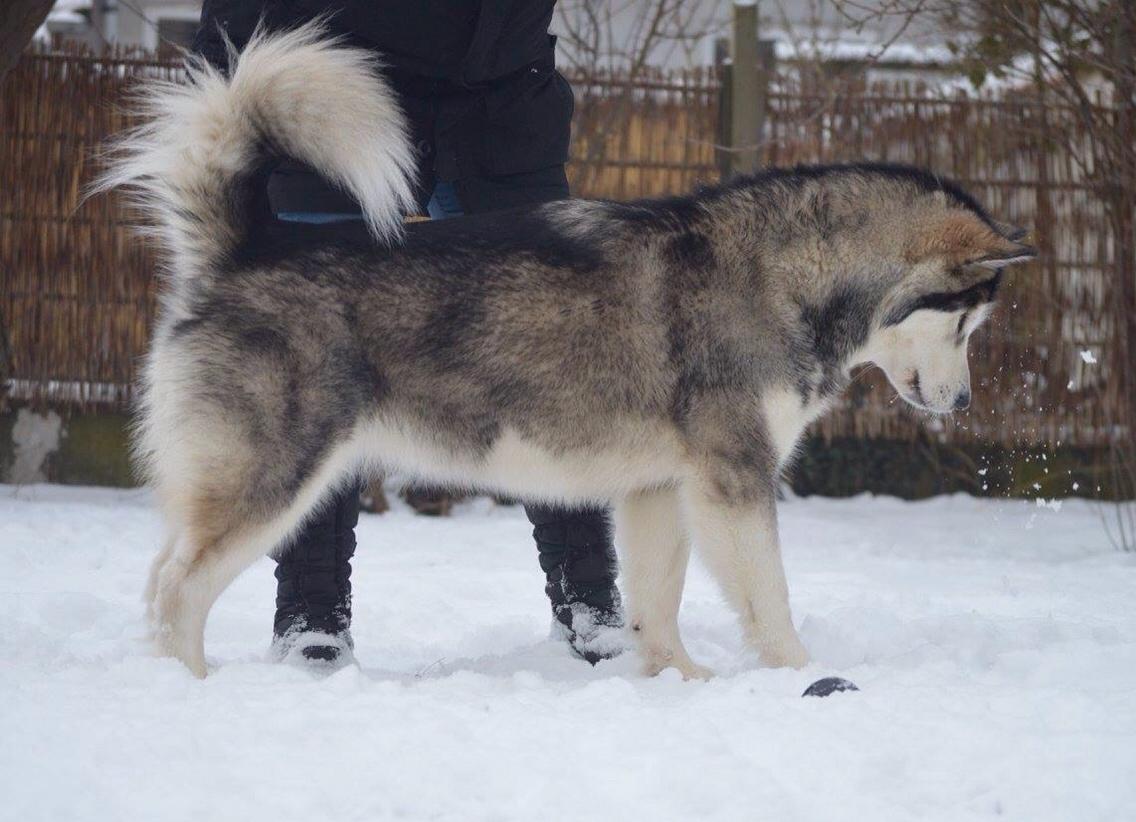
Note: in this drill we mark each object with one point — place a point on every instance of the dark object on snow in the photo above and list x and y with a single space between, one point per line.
578 559
829 685
431 502
313 576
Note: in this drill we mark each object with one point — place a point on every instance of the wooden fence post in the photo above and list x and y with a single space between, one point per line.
723 132
747 92
5 357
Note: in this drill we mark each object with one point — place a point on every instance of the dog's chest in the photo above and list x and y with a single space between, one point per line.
787 417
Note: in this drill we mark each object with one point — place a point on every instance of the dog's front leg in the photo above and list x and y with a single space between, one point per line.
654 549
737 535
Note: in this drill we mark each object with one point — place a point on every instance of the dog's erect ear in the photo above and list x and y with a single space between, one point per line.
999 258
1013 252
1009 230
963 238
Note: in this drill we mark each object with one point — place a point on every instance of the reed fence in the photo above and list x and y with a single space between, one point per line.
77 293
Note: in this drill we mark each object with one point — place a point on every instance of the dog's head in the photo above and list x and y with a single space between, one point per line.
952 257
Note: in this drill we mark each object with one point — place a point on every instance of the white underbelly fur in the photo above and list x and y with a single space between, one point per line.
646 456
518 467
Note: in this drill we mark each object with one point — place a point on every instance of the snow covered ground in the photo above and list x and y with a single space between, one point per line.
994 642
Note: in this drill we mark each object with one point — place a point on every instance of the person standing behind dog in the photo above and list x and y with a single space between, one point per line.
490 117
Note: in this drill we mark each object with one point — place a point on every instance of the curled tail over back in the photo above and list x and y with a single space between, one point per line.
193 165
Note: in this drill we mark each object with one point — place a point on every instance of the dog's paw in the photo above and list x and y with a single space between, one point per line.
694 671
785 655
655 664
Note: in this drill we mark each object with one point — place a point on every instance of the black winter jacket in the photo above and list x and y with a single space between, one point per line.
477 81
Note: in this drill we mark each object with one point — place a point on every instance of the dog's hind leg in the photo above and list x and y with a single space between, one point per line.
156 566
654 550
221 533
199 566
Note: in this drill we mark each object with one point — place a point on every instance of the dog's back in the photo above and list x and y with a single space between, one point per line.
501 341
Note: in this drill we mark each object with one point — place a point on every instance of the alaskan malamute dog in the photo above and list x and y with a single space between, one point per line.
663 355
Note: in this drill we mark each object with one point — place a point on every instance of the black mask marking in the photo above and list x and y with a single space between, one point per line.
948 301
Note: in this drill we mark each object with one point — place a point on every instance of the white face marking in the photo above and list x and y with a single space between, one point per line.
925 356
976 317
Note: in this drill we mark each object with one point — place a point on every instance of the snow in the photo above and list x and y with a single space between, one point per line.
994 644
65 11
825 46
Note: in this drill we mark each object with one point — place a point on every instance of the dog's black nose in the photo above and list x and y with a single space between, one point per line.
962 401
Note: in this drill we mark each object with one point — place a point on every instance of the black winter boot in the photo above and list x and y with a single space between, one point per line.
578 559
313 590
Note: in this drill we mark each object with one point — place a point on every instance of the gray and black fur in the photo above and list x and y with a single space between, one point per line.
662 355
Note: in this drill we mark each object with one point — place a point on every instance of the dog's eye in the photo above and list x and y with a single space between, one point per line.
949 301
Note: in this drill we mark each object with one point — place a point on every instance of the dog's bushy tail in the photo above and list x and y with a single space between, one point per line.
194 165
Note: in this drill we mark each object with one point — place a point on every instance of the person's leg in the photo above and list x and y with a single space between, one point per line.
574 545
444 203
313 574
313 585
531 188
578 559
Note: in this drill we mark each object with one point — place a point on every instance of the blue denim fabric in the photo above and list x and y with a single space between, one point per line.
444 203
317 217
